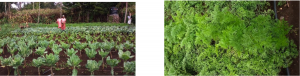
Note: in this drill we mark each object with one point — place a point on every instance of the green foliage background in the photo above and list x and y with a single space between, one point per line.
225 38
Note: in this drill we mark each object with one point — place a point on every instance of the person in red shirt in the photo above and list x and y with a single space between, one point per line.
63 23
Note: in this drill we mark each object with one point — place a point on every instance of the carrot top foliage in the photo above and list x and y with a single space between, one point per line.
225 38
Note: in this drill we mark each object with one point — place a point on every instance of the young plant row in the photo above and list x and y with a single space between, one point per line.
24 47
73 61
84 29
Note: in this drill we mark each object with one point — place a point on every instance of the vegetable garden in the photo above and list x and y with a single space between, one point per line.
80 50
226 38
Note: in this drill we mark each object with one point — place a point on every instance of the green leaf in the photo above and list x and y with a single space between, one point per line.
70 52
91 53
41 51
74 60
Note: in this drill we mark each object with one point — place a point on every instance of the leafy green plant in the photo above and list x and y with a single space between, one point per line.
65 46
129 67
92 65
44 43
74 61
93 45
91 53
12 48
41 51
107 46
88 38
56 49
6 62
70 52
31 43
16 62
232 37
79 46
124 55
38 63
51 59
112 63
103 54
128 45
120 46
24 51
51 42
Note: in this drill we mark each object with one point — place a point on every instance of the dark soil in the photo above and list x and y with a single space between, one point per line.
62 68
291 15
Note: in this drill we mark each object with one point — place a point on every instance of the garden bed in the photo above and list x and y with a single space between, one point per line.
111 35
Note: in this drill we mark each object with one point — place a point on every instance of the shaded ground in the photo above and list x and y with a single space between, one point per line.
291 15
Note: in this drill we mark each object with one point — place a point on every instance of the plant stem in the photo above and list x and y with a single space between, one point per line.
110 54
51 71
8 71
39 71
112 71
102 63
18 71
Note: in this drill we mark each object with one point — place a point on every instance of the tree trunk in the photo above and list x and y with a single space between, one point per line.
9 5
39 12
32 5
5 8
125 12
39 71
60 9
88 16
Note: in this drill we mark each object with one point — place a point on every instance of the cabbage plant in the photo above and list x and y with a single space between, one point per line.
51 59
38 63
91 53
41 51
6 62
129 67
128 45
92 65
124 55
74 61
70 52
44 43
65 46
16 62
103 54
112 63
56 49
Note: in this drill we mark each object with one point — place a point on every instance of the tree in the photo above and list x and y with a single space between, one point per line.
125 12
39 12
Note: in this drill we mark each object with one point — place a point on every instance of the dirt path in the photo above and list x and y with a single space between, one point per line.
291 15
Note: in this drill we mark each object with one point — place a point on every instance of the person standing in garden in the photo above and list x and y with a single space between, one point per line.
129 18
63 23
58 21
